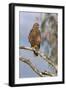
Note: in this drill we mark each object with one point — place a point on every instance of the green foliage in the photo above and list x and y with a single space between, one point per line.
43 25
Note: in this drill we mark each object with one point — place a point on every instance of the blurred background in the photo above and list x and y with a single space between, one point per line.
49 33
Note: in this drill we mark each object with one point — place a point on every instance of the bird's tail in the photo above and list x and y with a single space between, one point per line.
37 48
36 54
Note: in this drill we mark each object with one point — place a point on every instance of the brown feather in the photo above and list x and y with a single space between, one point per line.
35 38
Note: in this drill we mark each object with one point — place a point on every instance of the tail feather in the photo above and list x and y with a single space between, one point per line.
37 48
36 54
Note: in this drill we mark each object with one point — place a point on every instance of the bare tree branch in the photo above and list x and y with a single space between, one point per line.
41 74
41 55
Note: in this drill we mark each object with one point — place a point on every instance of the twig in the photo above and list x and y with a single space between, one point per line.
41 54
41 74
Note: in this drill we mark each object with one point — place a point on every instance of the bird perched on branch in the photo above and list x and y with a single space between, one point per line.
35 37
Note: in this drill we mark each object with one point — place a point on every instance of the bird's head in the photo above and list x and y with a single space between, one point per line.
36 26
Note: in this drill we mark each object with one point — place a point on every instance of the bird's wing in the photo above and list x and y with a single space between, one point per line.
30 36
39 34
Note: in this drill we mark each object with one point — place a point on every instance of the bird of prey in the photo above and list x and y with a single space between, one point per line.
35 38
